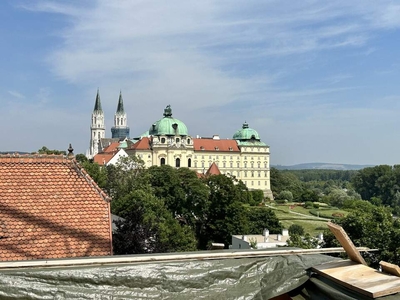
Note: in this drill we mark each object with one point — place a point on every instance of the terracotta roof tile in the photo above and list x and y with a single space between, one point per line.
209 144
113 147
213 170
103 158
50 208
142 144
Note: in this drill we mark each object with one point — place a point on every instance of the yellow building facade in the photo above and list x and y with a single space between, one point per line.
244 156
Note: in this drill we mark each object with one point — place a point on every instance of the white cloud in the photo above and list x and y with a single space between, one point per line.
16 94
197 56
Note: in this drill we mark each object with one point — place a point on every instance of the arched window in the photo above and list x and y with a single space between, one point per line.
117 121
177 162
189 162
122 121
162 161
98 135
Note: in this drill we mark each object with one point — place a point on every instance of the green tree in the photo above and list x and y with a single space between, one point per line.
45 150
128 173
374 227
225 213
81 158
148 227
305 242
309 195
98 173
296 229
261 218
285 195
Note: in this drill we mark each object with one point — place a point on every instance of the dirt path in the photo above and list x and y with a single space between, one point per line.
303 215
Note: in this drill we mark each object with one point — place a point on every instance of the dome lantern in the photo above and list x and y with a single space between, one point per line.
168 125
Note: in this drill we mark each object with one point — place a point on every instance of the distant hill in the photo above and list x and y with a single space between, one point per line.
322 166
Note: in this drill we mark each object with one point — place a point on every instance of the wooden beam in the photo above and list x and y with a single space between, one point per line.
346 243
201 255
360 278
390 268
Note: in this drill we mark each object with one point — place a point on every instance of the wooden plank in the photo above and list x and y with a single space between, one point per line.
390 268
346 243
360 278
142 258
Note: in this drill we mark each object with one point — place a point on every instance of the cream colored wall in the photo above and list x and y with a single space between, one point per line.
251 164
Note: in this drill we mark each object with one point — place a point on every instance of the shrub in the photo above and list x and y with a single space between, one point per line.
296 229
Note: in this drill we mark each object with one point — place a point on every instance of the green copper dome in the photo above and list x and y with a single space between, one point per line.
246 133
168 125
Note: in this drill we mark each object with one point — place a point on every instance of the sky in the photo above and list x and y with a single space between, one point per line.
318 80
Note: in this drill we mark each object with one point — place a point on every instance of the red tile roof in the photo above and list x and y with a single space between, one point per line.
113 147
209 144
142 144
213 170
103 158
51 208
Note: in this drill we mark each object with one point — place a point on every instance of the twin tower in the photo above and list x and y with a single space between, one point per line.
120 130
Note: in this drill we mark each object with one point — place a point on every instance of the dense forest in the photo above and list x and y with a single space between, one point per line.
165 209
371 195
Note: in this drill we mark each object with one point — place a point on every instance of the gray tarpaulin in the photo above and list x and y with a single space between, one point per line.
243 278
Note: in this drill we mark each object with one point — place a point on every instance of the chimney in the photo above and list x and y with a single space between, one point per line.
321 236
244 238
216 137
279 237
285 232
70 151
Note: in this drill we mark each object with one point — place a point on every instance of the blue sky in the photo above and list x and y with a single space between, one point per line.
317 79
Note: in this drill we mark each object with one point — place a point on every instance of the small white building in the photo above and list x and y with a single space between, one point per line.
263 241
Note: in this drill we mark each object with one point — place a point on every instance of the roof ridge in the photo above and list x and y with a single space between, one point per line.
81 171
34 157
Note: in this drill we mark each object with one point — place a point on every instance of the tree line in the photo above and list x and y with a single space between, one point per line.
166 209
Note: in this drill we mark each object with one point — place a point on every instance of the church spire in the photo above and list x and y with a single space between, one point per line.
97 104
120 129
120 108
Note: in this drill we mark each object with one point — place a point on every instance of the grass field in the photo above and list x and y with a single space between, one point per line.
310 224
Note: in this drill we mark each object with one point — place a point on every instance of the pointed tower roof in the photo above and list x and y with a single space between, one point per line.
213 170
120 108
97 104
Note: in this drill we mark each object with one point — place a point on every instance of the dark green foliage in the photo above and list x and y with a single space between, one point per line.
380 185
167 209
285 195
257 197
305 242
374 227
225 213
261 218
148 227
309 195
296 229
323 175
281 181
81 158
98 174
308 204
45 150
